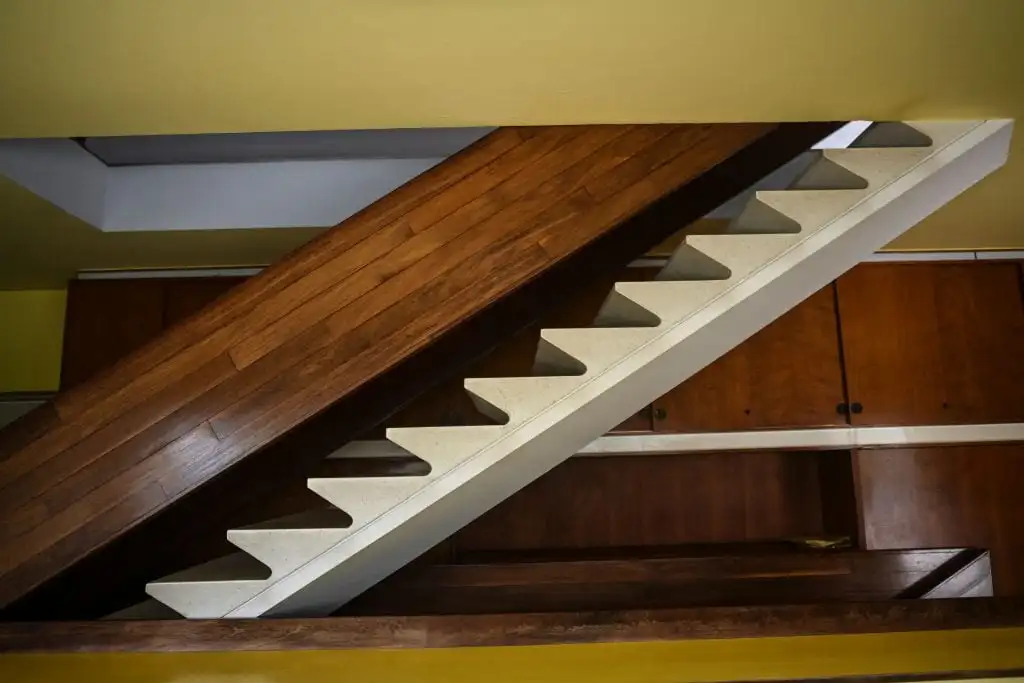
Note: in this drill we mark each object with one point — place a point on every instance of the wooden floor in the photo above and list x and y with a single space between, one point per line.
342 312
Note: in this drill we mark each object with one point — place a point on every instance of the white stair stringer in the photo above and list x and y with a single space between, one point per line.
651 336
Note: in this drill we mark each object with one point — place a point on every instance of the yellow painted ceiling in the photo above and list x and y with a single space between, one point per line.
110 67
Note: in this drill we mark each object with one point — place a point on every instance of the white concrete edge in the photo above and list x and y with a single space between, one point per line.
889 257
827 438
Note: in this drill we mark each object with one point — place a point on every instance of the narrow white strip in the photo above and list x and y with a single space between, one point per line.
1008 255
920 256
866 437
166 273
826 439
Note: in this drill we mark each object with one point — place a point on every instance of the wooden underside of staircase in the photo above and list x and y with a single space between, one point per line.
361 310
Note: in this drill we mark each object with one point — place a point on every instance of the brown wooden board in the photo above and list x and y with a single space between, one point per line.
933 343
104 322
186 296
671 582
510 629
788 375
949 495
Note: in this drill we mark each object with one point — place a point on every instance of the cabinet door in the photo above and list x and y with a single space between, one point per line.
787 375
106 320
933 343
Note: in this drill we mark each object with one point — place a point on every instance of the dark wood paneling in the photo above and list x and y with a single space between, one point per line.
105 321
184 297
944 496
700 623
349 306
786 375
604 585
933 343
656 500
839 506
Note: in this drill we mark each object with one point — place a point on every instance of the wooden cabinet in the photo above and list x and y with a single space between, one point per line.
787 375
933 343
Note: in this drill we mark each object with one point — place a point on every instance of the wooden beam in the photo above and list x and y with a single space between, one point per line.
711 623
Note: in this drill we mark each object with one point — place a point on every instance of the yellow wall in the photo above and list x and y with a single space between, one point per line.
31 331
116 67
653 662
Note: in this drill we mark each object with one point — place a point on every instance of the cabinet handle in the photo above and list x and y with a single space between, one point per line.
856 408
660 414
843 409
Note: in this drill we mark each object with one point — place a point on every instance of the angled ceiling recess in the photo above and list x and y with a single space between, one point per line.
254 180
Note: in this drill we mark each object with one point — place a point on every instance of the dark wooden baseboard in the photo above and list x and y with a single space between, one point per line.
511 629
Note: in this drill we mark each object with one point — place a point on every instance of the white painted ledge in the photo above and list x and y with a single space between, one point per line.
831 438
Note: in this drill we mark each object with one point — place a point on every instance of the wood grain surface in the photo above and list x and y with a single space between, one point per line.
933 343
701 623
779 578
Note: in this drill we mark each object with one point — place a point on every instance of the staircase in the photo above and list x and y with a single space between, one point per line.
353 323
716 290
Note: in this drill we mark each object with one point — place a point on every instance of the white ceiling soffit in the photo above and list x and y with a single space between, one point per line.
265 180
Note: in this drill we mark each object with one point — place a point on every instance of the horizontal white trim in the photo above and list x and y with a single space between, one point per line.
166 273
888 257
1006 255
830 438
916 256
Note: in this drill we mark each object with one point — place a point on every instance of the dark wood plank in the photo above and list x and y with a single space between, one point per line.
627 584
184 297
656 500
787 375
944 496
158 403
707 623
933 343
839 505
105 320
